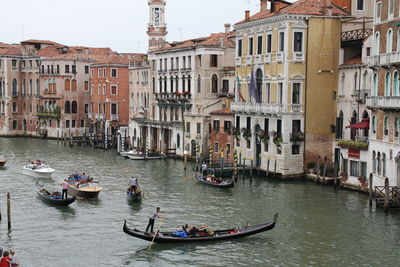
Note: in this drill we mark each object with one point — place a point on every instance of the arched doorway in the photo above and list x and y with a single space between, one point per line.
193 150
257 145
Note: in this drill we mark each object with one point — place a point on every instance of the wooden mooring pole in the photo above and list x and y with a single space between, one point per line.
386 204
370 189
9 210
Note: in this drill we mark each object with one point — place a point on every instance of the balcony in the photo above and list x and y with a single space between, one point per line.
114 117
186 69
249 60
280 56
100 116
350 144
383 102
384 59
258 108
267 59
258 59
296 108
359 34
360 95
298 56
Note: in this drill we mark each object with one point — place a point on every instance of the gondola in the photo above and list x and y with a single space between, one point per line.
200 236
221 184
46 197
131 196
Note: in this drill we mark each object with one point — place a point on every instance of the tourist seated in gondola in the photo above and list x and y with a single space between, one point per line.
193 231
133 184
180 233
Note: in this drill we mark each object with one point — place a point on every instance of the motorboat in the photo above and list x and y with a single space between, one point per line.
84 187
147 156
38 169
126 154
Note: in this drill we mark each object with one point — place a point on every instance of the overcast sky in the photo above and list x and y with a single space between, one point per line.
119 24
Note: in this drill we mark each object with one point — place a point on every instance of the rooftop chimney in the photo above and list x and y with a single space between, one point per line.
227 27
247 15
263 5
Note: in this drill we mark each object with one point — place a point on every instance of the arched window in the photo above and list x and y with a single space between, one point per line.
375 89
14 87
74 107
355 81
396 89
365 81
376 44
396 127
67 107
178 141
378 161
373 124
383 164
386 126
67 85
214 83
198 83
73 85
342 84
259 82
389 41
37 87
154 85
374 162
387 84
54 85
30 87
23 87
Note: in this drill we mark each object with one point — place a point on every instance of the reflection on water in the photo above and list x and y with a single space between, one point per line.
316 225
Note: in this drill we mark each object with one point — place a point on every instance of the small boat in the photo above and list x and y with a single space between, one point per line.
212 181
148 156
3 161
203 235
38 169
84 190
134 196
127 153
54 198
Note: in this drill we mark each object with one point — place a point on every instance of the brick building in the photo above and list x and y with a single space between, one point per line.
222 140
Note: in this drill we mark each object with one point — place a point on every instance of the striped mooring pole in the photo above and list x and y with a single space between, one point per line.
235 160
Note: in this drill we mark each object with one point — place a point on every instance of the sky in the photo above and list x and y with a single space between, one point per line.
118 24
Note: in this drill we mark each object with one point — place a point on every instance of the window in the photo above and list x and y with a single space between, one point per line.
281 41
114 108
216 125
73 124
228 149
73 69
92 74
360 5
86 69
199 84
379 164
375 89
104 73
296 93
214 61
295 149
188 127
178 141
296 126
14 64
376 44
86 85
238 122
280 93
67 107
354 168
390 8
268 93
298 42
82 123
86 109
216 147
15 124
67 85
248 123
66 68
214 83
259 45
373 126
74 107
384 164
396 89
378 12
227 127
14 88
396 127
198 128
14 107
99 73
114 73
113 89
389 41
374 162
251 46
73 85
266 125
386 126
67 124
387 84
269 43
240 47
345 166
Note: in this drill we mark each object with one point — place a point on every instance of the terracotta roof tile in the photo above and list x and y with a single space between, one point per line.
353 61
226 111
301 7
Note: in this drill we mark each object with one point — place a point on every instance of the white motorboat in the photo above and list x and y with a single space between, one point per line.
126 154
148 156
38 170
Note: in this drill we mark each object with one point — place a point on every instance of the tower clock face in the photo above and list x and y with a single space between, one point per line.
157 15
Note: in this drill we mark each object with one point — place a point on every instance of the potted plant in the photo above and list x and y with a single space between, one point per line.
246 133
263 135
236 133
363 181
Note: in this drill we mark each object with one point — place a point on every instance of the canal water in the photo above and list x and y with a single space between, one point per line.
316 227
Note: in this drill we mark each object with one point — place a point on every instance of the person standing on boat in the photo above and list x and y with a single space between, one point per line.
65 186
204 168
133 183
152 219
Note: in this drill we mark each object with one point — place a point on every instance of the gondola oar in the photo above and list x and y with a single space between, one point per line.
155 235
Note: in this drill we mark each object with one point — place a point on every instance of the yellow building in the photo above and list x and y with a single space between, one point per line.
286 62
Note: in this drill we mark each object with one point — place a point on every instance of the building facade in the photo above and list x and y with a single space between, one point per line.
222 140
286 66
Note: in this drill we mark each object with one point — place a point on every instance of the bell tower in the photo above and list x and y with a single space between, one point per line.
157 28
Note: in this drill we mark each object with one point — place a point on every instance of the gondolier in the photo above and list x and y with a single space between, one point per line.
152 219
65 186
134 185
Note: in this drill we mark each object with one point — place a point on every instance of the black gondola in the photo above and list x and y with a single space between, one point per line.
222 184
134 196
46 197
168 237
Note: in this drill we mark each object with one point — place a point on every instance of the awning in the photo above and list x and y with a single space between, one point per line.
397 24
364 124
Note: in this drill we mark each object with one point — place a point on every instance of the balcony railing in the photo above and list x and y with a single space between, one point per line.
258 108
114 117
280 56
258 59
359 34
238 61
298 56
363 145
384 102
384 59
267 58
